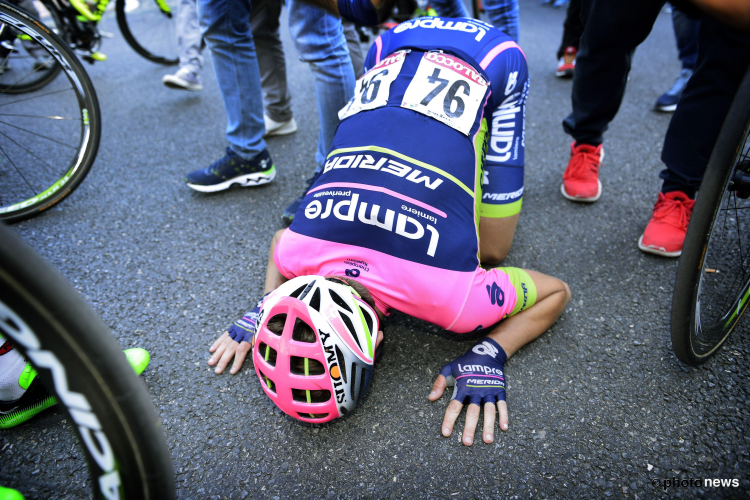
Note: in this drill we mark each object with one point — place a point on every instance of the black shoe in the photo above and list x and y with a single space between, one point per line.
291 210
232 169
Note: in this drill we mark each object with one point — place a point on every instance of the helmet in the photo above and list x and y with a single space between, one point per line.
314 347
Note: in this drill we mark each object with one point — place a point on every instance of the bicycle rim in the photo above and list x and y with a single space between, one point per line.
48 136
149 28
724 283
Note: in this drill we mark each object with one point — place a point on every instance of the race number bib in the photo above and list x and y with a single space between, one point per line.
373 89
446 89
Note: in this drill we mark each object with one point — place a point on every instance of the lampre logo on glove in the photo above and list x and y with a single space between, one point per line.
244 328
478 376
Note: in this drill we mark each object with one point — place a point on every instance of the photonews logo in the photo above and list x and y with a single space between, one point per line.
694 483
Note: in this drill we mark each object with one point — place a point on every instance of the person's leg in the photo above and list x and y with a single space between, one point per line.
450 8
226 28
686 36
189 35
724 56
503 15
723 59
355 48
572 28
612 31
189 39
264 21
319 38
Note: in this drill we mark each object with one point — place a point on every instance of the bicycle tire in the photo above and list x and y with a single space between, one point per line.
81 364
707 270
63 178
160 55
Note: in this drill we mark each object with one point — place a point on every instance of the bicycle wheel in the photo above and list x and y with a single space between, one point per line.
79 361
48 137
149 28
713 277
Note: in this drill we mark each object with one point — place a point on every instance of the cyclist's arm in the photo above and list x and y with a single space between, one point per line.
502 183
552 295
225 347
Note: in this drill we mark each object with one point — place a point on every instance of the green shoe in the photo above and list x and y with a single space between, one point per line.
138 359
9 494
36 398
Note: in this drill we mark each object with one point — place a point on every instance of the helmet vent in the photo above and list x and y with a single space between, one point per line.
362 383
314 367
354 381
339 301
342 363
315 300
298 291
312 415
268 353
267 382
368 319
316 396
350 327
276 324
303 332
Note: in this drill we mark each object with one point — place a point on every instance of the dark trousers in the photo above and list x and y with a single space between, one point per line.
723 59
572 28
613 29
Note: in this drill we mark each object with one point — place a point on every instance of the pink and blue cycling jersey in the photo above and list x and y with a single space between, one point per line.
432 141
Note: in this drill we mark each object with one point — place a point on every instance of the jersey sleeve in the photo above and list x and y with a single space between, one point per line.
502 181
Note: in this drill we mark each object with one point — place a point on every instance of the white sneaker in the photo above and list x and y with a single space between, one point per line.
276 128
184 79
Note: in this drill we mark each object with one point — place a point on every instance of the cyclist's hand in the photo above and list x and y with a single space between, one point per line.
236 342
478 377
224 349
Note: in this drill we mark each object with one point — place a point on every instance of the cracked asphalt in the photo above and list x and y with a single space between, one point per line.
599 405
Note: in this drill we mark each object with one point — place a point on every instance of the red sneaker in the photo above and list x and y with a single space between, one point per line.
665 232
581 178
567 63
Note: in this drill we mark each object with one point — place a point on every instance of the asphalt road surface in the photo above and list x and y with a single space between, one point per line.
599 405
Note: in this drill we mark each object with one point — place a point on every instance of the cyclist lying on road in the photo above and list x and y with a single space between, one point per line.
422 185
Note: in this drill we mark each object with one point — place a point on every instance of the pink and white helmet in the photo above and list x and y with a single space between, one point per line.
316 360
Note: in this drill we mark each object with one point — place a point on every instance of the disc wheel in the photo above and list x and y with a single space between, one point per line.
79 362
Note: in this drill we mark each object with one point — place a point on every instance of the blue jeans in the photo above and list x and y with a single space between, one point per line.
450 8
320 41
503 15
226 28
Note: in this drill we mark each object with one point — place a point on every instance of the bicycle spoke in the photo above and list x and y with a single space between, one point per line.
17 170
23 77
42 116
39 135
51 168
37 96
